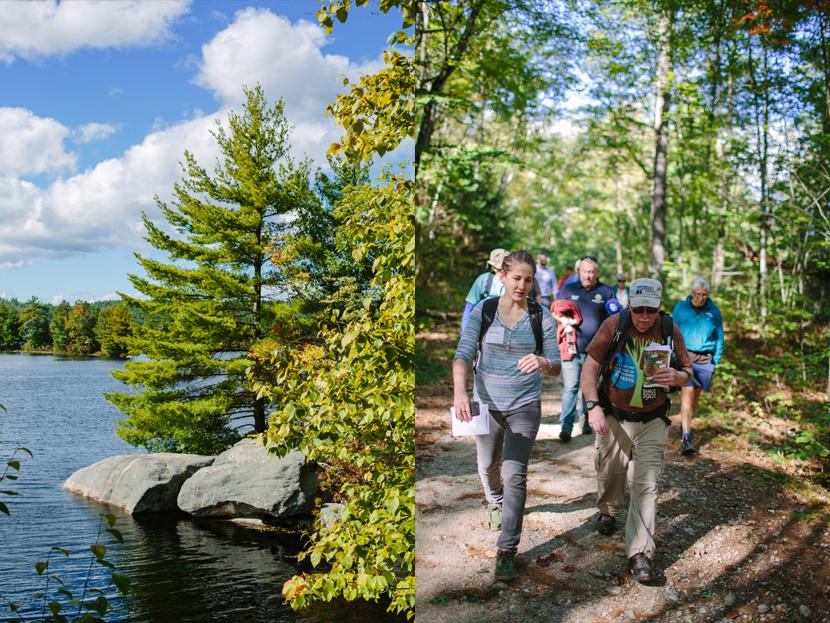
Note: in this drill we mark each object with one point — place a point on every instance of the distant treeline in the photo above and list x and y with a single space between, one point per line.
80 329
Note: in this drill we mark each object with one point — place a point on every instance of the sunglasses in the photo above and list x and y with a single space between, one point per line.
644 310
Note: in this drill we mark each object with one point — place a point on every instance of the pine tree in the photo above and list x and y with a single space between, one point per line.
34 325
57 327
208 305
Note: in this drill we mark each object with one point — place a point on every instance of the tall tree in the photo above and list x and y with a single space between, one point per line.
206 307
34 325
57 327
661 141
113 329
80 330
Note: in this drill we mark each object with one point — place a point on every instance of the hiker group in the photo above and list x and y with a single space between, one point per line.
619 355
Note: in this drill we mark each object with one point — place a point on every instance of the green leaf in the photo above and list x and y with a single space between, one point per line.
4 509
98 550
116 534
110 519
14 464
10 492
122 582
41 566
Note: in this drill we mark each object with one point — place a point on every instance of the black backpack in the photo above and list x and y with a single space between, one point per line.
488 314
617 343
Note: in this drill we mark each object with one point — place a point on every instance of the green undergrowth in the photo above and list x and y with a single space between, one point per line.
770 392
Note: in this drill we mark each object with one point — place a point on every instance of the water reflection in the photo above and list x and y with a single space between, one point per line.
181 570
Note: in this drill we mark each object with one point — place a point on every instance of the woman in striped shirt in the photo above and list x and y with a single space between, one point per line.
508 379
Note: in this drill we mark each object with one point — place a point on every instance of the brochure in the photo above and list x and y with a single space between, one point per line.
479 425
655 356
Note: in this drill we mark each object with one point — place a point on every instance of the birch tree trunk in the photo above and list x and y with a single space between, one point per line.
661 144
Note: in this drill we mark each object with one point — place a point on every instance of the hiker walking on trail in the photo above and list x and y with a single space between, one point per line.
514 338
546 279
641 354
590 296
621 292
701 323
486 284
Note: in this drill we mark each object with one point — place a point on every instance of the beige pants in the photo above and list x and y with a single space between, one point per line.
643 445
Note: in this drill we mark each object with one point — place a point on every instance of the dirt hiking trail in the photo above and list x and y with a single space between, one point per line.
733 542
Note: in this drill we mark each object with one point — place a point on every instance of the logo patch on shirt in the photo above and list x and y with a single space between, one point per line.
625 371
598 298
574 297
649 393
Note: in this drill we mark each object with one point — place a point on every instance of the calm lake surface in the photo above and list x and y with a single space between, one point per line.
181 570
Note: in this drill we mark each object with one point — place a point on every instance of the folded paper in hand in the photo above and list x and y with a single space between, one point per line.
479 425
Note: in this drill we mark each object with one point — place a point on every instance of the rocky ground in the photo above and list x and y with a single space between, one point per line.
737 541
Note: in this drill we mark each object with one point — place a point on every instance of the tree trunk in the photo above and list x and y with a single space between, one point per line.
259 404
761 111
822 28
661 143
618 222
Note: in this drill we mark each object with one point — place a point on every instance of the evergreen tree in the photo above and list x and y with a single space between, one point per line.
208 305
315 257
9 328
34 325
57 327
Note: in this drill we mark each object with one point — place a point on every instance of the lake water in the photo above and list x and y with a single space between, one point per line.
182 570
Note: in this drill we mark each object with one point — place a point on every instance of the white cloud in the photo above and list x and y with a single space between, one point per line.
286 59
33 30
94 131
100 208
32 144
57 299
115 91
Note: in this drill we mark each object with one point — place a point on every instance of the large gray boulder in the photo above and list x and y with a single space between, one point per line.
246 481
138 483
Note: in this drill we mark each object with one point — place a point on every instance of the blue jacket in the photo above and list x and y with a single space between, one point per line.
702 328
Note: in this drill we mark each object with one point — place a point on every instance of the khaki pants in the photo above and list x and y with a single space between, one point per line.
644 445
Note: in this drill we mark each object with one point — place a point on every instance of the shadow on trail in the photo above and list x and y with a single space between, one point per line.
583 502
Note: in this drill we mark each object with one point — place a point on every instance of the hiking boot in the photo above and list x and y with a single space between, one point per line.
686 447
505 568
494 517
586 428
565 435
606 524
640 567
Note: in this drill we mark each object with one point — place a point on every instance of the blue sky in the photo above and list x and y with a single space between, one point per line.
98 101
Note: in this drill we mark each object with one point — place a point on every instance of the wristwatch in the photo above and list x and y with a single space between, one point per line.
590 404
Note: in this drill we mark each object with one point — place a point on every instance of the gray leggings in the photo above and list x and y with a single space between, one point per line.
503 456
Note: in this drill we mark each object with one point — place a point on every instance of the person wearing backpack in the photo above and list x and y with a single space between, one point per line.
513 341
486 284
629 413
701 322
590 295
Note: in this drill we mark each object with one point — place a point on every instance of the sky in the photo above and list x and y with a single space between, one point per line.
99 100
